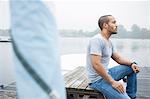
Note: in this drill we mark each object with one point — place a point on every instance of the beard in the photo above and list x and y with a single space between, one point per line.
114 32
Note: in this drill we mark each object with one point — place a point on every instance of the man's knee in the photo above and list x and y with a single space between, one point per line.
127 68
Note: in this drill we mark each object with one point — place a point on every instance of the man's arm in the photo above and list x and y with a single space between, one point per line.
103 73
120 60
100 68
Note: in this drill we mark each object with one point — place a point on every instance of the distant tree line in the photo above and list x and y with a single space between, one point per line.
136 33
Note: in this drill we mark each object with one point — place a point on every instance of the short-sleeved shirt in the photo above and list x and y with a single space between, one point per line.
98 46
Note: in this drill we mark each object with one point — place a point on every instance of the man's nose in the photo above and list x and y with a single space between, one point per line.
116 25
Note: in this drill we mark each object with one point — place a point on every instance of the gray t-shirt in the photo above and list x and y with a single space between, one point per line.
98 46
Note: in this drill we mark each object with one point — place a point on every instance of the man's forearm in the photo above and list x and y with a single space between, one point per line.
125 61
121 60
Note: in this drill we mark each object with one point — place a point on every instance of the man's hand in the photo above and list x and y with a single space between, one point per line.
135 68
118 86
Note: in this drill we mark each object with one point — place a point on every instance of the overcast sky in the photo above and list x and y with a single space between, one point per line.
4 15
85 14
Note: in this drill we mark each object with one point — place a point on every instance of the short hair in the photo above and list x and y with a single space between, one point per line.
102 20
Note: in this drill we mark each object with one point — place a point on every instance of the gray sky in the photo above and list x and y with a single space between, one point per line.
84 14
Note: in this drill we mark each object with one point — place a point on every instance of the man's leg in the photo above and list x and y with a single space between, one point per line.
120 72
131 88
105 88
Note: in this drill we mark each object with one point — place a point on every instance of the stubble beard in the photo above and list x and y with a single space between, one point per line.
113 32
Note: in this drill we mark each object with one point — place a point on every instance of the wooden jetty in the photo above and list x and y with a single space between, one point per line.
77 86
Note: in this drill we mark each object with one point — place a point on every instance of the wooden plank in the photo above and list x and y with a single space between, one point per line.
77 83
84 84
80 81
72 74
74 80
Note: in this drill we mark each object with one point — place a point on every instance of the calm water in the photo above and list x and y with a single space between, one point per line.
6 69
138 50
135 49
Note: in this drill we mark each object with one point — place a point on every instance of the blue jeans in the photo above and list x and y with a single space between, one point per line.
118 73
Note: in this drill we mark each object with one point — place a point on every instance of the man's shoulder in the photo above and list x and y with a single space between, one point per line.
96 37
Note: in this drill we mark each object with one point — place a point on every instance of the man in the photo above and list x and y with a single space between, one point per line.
35 57
100 50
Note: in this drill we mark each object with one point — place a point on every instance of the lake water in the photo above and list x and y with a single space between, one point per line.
6 69
73 52
134 49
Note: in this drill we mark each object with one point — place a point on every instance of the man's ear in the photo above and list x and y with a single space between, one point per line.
105 25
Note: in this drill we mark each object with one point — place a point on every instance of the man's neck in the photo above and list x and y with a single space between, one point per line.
105 34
